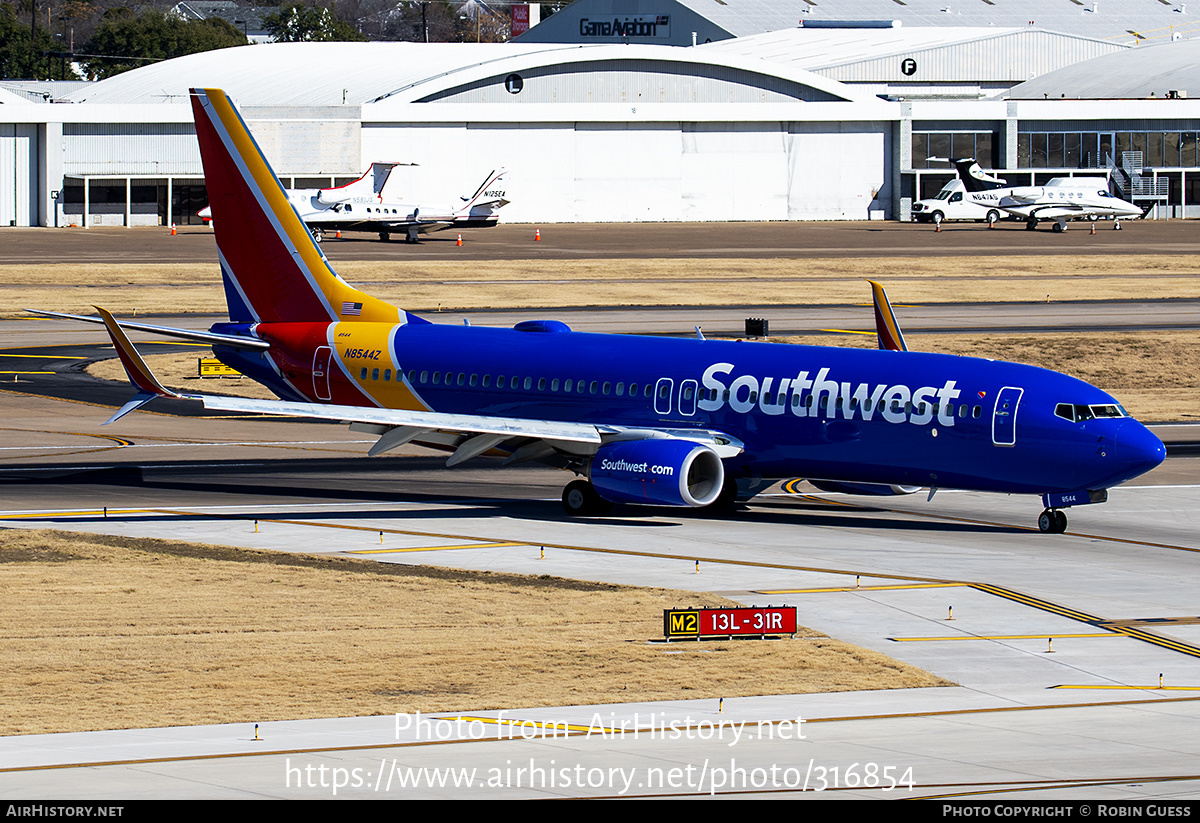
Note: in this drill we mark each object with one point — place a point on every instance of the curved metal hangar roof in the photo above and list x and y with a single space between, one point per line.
1143 72
331 74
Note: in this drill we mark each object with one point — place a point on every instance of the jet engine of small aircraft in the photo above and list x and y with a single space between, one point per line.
874 489
657 472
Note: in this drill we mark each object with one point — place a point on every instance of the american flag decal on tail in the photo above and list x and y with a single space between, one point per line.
351 309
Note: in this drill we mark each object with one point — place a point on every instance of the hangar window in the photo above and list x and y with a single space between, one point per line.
931 149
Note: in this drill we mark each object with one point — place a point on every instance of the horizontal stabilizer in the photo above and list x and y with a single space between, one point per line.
233 341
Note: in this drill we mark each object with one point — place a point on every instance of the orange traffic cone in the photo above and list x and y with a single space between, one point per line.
537 234
338 234
173 232
1093 228
459 243
937 225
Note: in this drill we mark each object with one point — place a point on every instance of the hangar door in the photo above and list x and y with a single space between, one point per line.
18 175
838 171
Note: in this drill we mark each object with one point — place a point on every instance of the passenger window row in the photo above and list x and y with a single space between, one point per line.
607 387
515 383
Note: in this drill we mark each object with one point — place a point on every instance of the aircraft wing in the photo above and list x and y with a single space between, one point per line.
1047 211
472 434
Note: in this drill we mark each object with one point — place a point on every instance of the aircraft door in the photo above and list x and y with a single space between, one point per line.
320 372
662 395
687 397
1004 417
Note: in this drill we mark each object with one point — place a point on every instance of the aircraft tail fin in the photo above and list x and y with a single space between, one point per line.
973 177
489 196
271 268
371 183
886 327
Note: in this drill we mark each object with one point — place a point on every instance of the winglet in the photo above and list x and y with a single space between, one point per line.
886 327
139 373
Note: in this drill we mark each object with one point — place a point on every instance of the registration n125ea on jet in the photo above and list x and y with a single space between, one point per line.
640 420
1060 200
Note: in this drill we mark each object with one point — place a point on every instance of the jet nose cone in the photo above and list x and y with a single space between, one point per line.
1138 449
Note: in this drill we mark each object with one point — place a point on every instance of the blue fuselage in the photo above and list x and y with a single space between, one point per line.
827 413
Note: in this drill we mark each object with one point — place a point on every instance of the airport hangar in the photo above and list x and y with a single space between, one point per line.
806 123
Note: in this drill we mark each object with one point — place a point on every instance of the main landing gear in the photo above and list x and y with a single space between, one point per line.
1052 521
581 500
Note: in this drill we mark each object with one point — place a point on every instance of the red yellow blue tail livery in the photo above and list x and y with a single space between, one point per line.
640 420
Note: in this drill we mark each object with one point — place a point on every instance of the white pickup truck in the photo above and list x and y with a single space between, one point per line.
951 203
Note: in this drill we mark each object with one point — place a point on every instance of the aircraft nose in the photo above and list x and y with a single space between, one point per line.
1138 449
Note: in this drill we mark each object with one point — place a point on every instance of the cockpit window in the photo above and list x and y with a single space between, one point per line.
1077 413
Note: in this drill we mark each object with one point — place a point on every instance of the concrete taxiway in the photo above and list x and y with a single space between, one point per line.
580 241
1077 656
1057 642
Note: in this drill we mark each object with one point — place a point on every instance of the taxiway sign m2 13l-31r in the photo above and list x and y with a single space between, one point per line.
641 420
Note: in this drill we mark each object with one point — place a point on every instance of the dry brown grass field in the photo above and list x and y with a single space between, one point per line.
426 285
109 632
106 632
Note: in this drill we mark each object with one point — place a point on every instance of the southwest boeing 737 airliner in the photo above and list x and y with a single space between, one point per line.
668 422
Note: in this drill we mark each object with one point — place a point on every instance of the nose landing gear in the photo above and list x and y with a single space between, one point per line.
1052 521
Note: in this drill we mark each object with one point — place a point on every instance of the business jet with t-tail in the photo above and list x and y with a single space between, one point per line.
1060 200
372 204
640 420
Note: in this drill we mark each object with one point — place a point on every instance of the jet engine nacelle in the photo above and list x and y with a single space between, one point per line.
657 472
874 489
